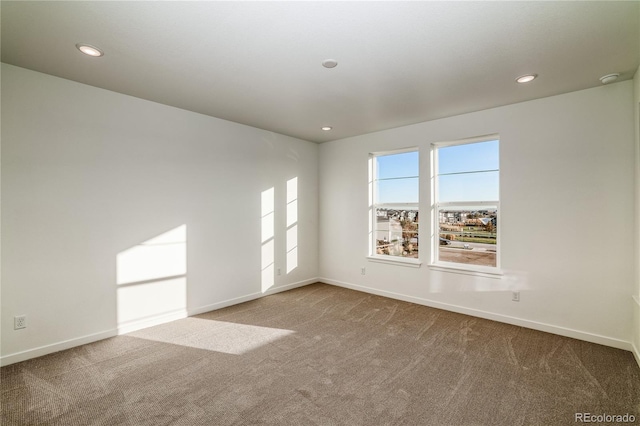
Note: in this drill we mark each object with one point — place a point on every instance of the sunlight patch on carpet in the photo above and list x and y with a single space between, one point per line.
218 336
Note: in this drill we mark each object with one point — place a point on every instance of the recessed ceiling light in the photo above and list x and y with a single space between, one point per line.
329 63
526 78
609 78
89 50
327 128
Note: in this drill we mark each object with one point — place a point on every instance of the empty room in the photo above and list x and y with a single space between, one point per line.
320 213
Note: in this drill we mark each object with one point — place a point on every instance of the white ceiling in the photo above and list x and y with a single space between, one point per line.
259 63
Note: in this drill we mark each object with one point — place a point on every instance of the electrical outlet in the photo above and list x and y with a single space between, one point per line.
19 322
515 296
363 271
279 271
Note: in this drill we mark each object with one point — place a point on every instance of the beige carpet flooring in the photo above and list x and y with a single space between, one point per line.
324 355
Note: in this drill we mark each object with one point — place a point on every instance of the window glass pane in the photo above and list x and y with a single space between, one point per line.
468 235
397 191
468 157
396 232
395 198
481 186
397 165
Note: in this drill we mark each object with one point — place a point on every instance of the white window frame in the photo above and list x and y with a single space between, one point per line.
373 205
436 207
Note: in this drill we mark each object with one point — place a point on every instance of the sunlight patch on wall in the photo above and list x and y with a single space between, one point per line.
292 202
442 281
218 336
292 248
159 257
268 261
268 235
151 280
292 224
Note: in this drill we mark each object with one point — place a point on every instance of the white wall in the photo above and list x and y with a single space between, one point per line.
567 211
88 174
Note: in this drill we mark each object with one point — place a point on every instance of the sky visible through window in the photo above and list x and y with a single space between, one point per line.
398 174
468 172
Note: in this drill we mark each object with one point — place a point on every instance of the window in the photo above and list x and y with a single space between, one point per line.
466 210
394 194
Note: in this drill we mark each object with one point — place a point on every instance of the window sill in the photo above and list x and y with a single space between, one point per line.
479 272
400 261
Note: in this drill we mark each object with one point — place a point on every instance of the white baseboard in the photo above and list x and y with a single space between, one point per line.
249 297
139 324
55 347
549 328
148 322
